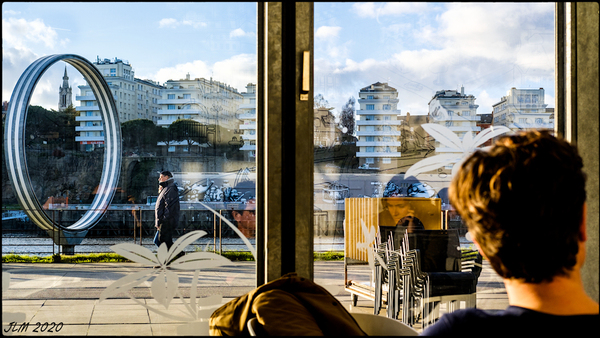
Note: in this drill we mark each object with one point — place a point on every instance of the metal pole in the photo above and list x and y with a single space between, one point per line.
214 231
134 226
220 234
140 223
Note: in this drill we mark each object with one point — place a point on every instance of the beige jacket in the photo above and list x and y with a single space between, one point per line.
288 306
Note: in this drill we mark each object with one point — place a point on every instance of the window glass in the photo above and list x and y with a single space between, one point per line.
420 61
207 48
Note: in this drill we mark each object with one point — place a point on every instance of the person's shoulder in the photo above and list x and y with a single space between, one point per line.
511 320
465 321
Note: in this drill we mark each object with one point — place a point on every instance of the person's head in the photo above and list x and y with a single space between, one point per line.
523 202
397 207
246 219
164 176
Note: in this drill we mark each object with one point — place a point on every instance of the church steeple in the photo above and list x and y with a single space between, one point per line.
64 93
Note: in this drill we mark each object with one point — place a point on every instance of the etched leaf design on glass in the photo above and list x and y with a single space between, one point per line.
460 149
164 287
369 237
199 327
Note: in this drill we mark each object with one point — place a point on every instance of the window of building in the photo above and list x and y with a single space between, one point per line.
370 107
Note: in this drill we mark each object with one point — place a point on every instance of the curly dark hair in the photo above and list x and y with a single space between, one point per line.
522 201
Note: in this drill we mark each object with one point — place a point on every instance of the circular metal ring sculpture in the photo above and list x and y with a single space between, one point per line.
14 143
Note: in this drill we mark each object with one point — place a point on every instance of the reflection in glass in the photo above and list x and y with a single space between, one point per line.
408 90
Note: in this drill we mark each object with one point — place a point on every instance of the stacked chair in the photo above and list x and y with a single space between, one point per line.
421 271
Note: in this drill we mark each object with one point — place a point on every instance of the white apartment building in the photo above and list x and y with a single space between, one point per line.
247 114
523 109
134 98
378 127
212 103
456 111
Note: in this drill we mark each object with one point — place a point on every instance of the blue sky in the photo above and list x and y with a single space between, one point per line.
418 48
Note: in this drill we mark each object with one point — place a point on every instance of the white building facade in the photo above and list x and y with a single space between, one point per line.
456 111
523 109
212 103
378 127
247 115
134 98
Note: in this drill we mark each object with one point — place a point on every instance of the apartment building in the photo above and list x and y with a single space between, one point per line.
456 111
212 103
134 99
247 128
523 109
378 127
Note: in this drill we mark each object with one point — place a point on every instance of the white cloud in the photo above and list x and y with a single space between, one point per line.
11 12
399 8
241 33
488 48
196 69
236 71
365 9
195 24
375 10
327 32
167 22
19 32
173 23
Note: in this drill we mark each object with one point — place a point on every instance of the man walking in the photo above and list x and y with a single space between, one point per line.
166 210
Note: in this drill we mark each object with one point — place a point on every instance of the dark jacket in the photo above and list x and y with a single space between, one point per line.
166 209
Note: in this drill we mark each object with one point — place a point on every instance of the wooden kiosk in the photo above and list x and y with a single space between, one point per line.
363 216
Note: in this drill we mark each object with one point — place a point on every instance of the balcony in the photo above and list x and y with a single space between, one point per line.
248 126
247 116
179 100
247 106
379 123
470 118
519 126
88 118
85 98
248 147
377 100
86 128
179 112
394 112
87 108
378 133
88 138
464 128
379 154
378 144
248 137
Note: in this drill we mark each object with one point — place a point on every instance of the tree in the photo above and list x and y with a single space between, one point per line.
347 118
187 130
320 102
140 134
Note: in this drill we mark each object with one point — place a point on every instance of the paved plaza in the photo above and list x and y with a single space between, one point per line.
65 298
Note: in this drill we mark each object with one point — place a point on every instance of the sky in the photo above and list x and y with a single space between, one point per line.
417 48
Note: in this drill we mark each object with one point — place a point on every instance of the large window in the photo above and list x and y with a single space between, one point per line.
420 61
207 48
